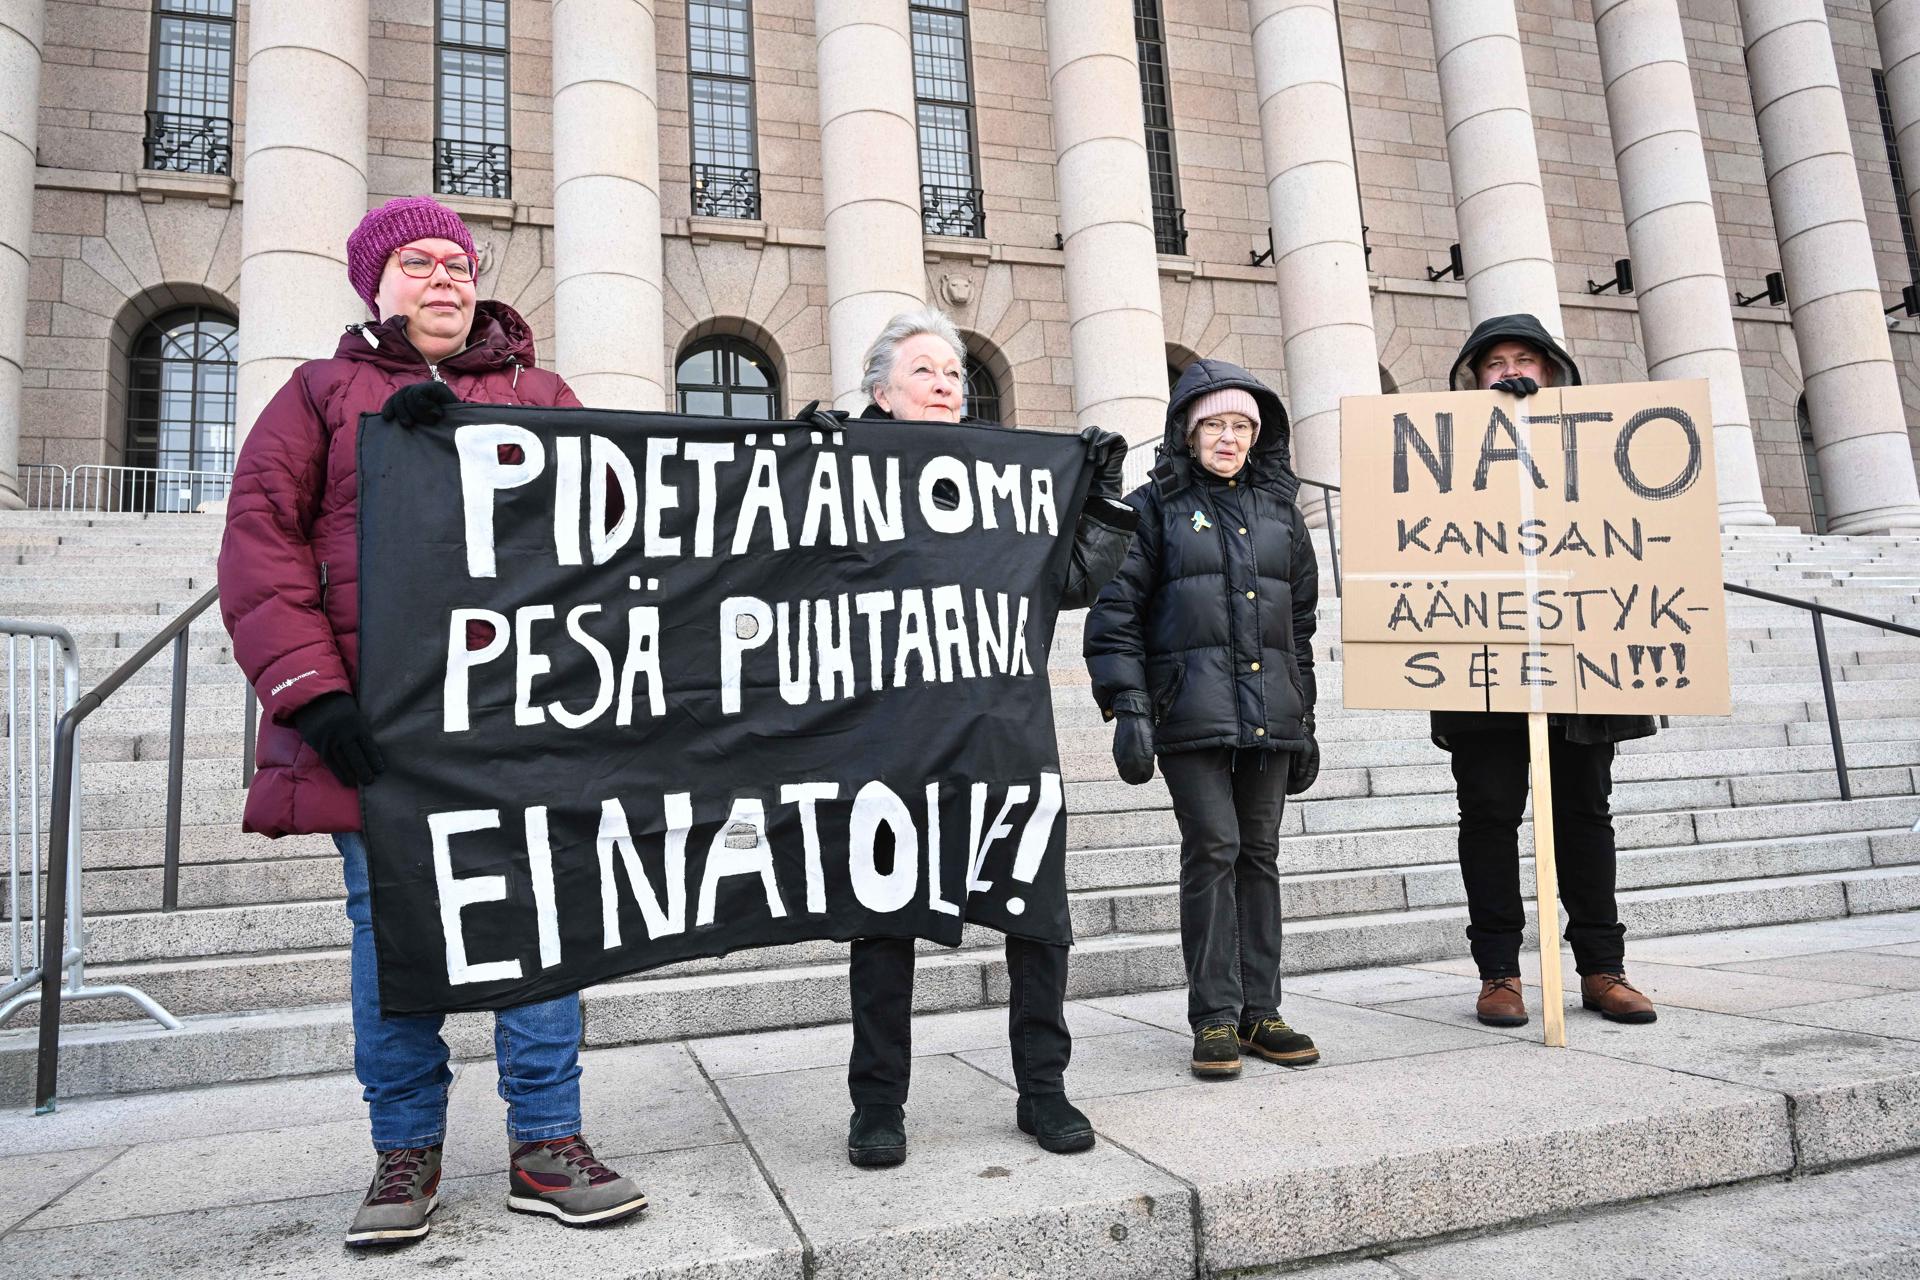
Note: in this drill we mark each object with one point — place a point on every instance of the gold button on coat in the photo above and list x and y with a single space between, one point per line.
1255 667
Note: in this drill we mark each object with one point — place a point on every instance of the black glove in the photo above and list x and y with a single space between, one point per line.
332 725
1305 765
1108 452
1522 387
1133 737
822 419
422 404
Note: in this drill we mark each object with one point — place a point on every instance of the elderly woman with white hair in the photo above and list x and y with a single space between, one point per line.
916 371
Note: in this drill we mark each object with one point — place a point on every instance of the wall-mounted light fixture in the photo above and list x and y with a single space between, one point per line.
1775 293
1622 278
1909 304
1452 269
1258 259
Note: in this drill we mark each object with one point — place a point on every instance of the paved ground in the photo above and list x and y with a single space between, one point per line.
1784 1057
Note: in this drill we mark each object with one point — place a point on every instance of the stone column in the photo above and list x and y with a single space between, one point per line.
305 185
869 178
1833 283
23 25
609 310
1106 221
1501 207
1326 313
1686 319
1897 24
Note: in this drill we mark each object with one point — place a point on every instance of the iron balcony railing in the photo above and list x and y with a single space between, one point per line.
725 191
953 211
462 168
177 143
1170 229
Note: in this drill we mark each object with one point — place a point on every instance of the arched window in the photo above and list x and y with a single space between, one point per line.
727 378
983 393
180 403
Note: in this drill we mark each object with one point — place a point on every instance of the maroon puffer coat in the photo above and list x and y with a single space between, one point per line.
289 564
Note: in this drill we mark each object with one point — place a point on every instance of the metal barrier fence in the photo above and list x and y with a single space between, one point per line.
43 795
93 488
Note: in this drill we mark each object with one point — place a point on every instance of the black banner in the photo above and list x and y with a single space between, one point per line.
654 687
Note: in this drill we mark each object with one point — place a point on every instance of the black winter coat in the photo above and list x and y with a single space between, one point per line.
1212 614
1448 725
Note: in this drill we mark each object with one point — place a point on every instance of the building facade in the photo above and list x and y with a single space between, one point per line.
712 205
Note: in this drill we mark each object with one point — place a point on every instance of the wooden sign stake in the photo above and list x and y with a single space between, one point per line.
1553 1000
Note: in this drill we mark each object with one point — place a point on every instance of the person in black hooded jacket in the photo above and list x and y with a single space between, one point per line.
1490 756
916 370
1201 650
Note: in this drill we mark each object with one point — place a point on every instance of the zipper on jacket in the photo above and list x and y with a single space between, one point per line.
323 587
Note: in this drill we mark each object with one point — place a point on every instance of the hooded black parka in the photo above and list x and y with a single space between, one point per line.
1448 725
1212 613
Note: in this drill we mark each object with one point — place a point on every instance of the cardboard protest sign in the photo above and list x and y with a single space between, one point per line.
1559 553
654 687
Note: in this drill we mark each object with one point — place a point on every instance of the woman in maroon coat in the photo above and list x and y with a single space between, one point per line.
289 594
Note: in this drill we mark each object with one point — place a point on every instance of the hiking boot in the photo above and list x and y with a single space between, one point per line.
1615 998
1216 1052
1056 1124
561 1178
877 1135
1500 1003
1272 1039
403 1193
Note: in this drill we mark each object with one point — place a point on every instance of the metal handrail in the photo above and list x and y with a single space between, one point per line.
65 802
1818 612
1333 533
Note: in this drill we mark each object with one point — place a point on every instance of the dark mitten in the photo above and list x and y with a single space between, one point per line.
421 404
1304 768
1133 738
821 419
332 725
1108 452
1522 387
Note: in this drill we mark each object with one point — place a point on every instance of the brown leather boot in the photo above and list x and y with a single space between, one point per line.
1500 1003
1614 998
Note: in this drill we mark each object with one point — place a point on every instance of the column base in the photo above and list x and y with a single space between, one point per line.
1745 514
1885 520
10 499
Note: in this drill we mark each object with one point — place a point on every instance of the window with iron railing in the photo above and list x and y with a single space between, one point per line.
471 155
1156 101
950 194
190 90
726 183
983 393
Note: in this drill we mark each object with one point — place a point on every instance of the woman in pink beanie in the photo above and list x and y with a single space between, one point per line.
289 595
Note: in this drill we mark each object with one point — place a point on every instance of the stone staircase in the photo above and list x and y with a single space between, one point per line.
1722 823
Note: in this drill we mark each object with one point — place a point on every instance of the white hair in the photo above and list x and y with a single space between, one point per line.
909 324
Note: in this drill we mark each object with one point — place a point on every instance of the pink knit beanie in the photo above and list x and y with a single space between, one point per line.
1228 400
393 224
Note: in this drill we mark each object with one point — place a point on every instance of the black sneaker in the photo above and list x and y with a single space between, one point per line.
877 1135
1272 1039
1216 1052
1056 1124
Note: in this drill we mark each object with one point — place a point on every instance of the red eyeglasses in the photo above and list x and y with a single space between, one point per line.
419 264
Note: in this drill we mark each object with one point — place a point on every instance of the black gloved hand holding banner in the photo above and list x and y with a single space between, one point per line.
785 696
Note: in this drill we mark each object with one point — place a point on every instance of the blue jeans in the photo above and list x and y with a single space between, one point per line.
402 1061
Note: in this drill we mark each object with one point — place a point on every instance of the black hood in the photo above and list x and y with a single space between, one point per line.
1271 457
1516 328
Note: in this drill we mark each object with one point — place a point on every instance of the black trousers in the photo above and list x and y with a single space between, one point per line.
880 980
1228 804
1490 778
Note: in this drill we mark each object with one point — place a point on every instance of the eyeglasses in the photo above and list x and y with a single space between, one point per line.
419 264
1214 428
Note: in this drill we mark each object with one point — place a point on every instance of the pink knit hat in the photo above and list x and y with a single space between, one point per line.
393 224
1227 400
